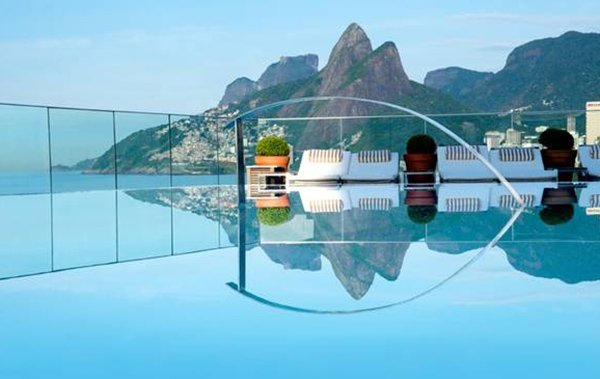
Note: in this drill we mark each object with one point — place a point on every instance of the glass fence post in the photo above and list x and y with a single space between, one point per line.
241 182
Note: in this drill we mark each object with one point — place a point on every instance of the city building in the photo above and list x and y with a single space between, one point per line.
592 122
493 139
513 137
571 124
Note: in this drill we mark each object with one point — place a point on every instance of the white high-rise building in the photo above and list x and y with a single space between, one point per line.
571 124
513 137
592 122
493 139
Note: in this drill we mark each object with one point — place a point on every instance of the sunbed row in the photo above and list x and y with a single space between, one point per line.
338 165
455 163
451 197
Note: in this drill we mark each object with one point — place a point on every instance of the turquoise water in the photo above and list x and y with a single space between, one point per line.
526 307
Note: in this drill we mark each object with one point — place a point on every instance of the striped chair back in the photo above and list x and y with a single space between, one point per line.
515 154
595 200
595 152
325 156
374 156
508 201
460 153
463 204
326 206
374 204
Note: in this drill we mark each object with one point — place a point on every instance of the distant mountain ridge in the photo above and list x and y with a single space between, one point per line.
545 74
456 81
287 69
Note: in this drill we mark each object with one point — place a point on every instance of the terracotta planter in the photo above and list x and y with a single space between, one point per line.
279 161
420 163
420 197
273 202
560 159
559 196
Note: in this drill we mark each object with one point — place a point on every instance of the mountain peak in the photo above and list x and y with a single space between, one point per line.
353 41
353 47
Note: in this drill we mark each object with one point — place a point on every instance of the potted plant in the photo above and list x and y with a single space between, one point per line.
421 214
273 216
272 151
558 152
557 214
420 157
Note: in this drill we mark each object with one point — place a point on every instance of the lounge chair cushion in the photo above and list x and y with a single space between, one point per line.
595 152
463 204
509 201
374 156
326 205
325 156
515 154
460 153
374 204
595 200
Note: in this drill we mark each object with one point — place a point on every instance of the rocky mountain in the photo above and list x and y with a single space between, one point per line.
550 73
354 69
456 81
288 69
238 89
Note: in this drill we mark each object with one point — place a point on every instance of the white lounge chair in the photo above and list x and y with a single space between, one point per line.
531 193
520 163
323 165
324 199
465 197
457 163
374 197
589 155
373 165
590 196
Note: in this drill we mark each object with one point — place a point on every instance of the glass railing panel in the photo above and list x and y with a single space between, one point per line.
25 234
82 150
226 152
142 150
143 178
24 157
228 215
144 223
85 227
195 218
194 150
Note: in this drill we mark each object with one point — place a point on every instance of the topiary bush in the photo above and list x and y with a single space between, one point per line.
557 214
272 146
274 216
421 144
421 214
557 139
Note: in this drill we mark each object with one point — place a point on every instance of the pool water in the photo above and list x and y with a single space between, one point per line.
153 283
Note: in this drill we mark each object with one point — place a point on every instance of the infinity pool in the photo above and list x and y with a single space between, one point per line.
370 291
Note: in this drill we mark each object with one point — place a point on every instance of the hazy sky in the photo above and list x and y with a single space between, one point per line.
178 56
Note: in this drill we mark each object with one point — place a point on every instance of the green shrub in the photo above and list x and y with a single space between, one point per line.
557 139
273 216
421 214
557 214
421 144
272 146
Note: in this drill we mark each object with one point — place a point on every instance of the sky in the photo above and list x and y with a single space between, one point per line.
178 56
